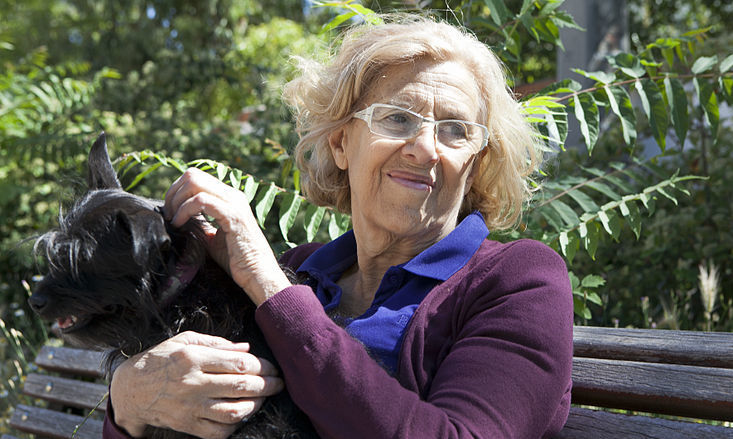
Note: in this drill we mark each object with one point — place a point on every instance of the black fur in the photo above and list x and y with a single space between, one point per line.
109 262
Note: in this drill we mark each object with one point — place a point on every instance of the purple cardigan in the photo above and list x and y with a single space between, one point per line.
487 354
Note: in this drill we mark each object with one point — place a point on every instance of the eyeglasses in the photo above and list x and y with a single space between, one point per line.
399 123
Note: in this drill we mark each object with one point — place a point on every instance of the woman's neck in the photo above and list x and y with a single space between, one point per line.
377 250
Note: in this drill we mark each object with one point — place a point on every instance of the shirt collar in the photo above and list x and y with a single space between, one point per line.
439 261
442 259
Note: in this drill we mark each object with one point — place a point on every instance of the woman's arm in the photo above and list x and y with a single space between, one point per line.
490 358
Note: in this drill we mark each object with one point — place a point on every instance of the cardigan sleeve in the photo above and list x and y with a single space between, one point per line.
484 380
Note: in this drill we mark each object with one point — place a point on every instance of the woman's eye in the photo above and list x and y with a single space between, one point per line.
398 118
454 130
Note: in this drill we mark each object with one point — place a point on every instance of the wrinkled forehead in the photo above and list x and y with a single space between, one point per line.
443 90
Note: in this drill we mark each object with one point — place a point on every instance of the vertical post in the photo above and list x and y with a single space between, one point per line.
606 33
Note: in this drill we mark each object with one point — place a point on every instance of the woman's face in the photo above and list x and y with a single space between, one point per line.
413 187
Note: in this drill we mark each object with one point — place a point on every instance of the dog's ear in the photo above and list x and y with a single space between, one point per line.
149 236
101 174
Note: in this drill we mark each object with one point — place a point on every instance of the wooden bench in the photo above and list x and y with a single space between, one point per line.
679 373
70 388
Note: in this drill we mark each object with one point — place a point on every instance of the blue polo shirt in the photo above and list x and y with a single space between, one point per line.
402 288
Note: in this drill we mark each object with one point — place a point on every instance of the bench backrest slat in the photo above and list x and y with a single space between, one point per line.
584 424
693 348
53 424
66 391
691 391
71 360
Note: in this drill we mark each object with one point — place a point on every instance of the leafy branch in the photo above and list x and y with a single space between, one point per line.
293 207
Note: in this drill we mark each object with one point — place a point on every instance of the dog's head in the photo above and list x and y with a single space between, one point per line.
105 261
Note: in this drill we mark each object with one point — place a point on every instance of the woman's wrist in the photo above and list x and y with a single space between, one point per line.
261 285
121 414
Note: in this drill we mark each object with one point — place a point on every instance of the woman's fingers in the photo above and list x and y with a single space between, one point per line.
226 386
233 411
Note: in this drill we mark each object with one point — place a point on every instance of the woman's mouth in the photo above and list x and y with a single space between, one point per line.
412 181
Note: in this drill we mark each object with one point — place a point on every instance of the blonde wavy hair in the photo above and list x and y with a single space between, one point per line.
326 95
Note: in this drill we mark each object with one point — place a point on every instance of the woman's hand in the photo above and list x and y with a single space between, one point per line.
193 383
238 244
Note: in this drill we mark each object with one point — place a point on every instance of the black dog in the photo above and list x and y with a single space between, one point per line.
121 278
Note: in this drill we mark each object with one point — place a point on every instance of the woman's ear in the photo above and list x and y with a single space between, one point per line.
336 141
475 167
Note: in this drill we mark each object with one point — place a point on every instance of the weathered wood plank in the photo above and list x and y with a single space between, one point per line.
54 424
585 424
66 391
695 348
690 391
82 362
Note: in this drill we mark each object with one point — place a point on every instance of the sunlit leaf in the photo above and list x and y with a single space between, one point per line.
289 206
726 64
312 221
264 203
703 64
620 103
338 224
250 188
586 112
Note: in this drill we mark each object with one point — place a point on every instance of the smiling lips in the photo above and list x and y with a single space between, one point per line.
412 181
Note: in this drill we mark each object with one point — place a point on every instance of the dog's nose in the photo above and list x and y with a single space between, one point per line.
38 302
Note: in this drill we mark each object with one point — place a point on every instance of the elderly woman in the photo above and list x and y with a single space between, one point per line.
442 333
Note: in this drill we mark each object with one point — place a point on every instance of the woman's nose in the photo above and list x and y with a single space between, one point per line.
423 147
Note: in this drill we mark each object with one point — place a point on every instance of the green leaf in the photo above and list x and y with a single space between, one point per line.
620 103
568 215
564 86
726 64
630 210
592 238
569 245
600 76
593 297
655 109
289 206
586 111
264 203
497 11
338 224
250 188
584 201
235 178
580 308
604 189
677 99
610 222
662 191
142 175
593 281
709 103
312 221
703 64
553 218
629 64
337 20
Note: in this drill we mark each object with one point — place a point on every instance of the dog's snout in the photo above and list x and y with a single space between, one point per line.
38 302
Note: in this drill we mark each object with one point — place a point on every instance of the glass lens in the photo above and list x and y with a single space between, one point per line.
452 132
394 122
